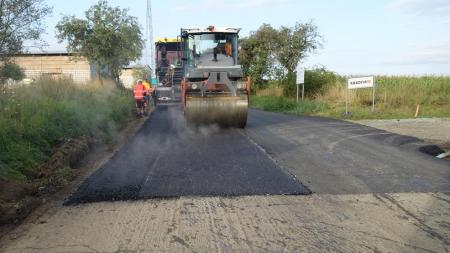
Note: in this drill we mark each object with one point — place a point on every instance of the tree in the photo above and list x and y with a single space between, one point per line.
269 53
11 70
294 44
20 20
108 37
142 73
256 54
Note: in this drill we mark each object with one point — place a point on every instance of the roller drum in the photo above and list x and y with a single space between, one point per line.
224 111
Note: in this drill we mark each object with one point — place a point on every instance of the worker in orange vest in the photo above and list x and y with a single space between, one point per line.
152 93
148 91
139 93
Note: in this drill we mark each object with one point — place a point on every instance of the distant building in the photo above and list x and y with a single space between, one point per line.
55 64
63 64
127 77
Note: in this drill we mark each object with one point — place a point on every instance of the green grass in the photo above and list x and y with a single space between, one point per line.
288 105
396 97
34 118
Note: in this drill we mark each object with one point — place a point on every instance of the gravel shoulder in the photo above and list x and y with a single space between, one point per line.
434 130
405 222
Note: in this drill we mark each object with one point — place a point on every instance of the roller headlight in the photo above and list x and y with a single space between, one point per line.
194 86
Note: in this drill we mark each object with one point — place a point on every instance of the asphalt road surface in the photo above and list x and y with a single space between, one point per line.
276 154
168 159
339 157
372 191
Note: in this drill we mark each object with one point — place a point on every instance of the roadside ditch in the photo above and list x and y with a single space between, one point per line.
71 161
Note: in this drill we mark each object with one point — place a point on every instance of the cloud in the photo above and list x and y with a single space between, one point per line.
424 54
227 5
434 8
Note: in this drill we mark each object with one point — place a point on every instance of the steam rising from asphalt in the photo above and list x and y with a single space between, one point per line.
176 134
176 118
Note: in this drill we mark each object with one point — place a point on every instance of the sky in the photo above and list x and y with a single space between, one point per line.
390 37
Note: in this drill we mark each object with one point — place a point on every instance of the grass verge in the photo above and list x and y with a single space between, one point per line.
396 97
336 110
35 118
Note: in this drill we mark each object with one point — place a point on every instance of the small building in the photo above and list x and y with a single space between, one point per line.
55 64
129 74
66 65
127 78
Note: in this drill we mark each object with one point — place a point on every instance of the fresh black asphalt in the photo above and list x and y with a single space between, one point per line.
167 159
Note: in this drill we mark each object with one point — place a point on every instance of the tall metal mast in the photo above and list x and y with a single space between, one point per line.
150 52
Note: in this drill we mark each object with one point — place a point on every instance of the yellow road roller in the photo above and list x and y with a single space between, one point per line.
214 90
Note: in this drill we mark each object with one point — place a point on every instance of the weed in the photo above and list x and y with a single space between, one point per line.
34 118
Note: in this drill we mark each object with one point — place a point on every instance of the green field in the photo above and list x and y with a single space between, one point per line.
34 118
396 97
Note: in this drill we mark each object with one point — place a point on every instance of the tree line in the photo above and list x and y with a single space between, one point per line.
110 38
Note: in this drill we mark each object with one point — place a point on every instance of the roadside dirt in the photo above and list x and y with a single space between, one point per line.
83 159
433 130
406 222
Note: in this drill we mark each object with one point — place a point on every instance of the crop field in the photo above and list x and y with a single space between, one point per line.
395 97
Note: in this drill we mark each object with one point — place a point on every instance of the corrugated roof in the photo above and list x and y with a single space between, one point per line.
31 53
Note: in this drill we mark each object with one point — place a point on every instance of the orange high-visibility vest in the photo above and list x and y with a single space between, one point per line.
139 91
146 85
228 49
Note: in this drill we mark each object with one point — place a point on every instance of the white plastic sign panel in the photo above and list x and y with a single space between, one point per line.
300 74
360 82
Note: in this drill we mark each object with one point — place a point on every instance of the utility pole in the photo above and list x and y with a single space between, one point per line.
150 49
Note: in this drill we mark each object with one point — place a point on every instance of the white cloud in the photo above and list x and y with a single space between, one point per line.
423 54
439 8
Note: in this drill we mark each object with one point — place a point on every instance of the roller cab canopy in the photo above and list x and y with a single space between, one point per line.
210 47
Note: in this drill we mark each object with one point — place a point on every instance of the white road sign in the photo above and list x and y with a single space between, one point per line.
360 82
300 74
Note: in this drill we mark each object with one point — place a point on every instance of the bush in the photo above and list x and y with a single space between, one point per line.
274 104
289 85
317 81
11 70
34 118
282 104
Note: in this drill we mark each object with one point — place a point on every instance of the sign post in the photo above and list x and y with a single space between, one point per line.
346 101
358 83
373 97
300 80
303 91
